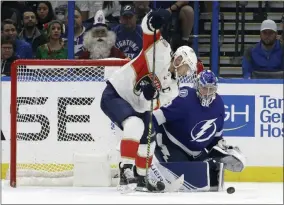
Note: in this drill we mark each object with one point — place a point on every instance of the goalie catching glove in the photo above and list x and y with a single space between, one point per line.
232 157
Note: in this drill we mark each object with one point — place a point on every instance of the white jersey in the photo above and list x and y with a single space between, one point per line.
127 80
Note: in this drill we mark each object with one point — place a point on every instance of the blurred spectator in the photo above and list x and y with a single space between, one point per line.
141 9
111 11
11 10
182 21
23 49
7 54
79 31
129 36
267 55
55 48
99 42
30 33
60 9
94 7
44 13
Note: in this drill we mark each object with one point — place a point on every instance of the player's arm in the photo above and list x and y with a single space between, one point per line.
175 110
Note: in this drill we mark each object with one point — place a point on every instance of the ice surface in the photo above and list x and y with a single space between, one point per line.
246 193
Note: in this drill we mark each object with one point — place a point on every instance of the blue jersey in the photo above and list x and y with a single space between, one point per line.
190 125
129 42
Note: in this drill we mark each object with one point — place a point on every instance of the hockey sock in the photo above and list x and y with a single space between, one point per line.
142 156
133 128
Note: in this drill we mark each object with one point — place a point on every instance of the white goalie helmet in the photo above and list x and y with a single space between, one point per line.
188 57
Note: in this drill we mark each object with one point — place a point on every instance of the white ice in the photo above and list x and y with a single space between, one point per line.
246 193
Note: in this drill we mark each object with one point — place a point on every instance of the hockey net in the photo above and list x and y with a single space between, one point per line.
55 113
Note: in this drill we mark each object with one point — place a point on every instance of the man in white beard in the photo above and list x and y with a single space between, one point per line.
99 41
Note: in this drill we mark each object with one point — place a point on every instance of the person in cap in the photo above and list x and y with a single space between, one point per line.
267 55
128 33
99 42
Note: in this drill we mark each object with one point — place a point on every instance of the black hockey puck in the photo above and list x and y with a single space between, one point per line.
160 186
231 190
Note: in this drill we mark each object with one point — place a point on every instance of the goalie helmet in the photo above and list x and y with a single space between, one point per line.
206 87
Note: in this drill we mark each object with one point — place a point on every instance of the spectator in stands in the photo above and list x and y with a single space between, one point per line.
55 48
182 21
44 13
79 31
99 42
22 49
30 33
111 11
129 36
141 9
60 9
7 54
267 55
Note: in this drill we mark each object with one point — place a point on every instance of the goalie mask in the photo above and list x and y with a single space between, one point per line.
185 63
206 87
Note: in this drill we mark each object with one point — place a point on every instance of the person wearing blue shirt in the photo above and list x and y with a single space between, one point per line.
267 55
128 33
23 49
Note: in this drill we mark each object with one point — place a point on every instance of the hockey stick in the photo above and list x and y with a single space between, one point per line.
151 112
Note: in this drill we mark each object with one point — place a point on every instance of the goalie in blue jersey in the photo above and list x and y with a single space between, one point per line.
190 129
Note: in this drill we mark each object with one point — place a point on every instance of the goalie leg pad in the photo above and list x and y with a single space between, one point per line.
198 176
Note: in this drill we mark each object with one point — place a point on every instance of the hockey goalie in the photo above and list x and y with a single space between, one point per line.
189 139
152 77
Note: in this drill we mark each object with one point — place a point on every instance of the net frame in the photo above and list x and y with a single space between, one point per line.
13 106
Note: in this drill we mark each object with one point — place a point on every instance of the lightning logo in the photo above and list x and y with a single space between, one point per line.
163 147
203 130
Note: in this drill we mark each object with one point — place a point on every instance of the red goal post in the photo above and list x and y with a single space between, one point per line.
55 112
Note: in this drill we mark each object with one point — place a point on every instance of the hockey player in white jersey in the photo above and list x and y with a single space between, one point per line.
127 98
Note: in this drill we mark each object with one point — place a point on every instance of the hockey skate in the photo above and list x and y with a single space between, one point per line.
148 185
128 181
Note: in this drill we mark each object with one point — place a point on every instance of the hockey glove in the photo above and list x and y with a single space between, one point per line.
150 92
231 156
158 18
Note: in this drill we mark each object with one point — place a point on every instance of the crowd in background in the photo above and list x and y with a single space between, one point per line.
104 29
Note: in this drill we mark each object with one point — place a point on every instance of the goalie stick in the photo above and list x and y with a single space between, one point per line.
173 187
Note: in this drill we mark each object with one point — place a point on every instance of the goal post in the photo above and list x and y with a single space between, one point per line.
55 112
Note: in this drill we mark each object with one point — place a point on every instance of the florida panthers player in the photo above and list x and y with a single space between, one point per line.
127 98
191 127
